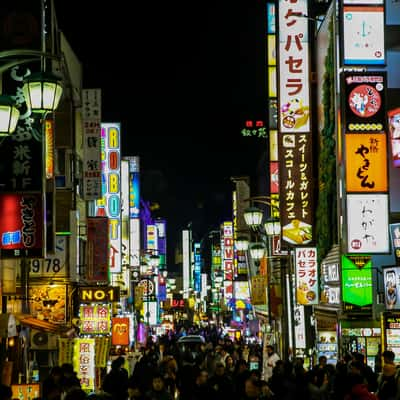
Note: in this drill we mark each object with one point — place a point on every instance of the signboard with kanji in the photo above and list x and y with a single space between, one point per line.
366 162
357 283
306 268
294 96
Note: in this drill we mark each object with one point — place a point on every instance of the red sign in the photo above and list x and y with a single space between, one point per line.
120 332
21 225
98 249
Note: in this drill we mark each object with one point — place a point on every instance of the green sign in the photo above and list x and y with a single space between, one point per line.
357 283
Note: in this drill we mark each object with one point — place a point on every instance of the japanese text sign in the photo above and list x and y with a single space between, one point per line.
21 225
367 223
365 102
356 283
306 267
366 162
83 362
294 67
295 185
91 115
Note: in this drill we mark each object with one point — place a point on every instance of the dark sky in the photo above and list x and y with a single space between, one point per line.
181 77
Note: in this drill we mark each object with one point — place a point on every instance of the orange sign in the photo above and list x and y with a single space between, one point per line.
120 331
366 162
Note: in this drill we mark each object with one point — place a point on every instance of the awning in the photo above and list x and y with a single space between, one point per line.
45 326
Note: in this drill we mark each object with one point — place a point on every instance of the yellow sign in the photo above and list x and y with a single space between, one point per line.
259 289
366 163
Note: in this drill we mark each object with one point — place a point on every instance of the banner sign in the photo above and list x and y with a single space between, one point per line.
357 283
96 319
21 225
295 182
91 116
365 109
367 223
294 96
366 162
306 267
83 362
259 289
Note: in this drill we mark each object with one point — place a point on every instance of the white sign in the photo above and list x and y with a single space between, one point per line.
294 113
306 275
91 116
367 223
54 264
363 35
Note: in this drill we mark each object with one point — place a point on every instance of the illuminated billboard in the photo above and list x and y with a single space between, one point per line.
357 283
21 225
110 204
366 162
363 35
391 283
364 102
295 184
307 282
294 96
394 135
367 223
228 258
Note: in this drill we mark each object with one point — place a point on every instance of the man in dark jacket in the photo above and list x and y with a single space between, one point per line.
116 381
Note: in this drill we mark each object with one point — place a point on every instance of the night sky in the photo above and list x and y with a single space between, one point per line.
181 77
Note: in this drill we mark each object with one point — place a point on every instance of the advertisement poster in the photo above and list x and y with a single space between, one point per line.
392 334
365 26
366 162
48 303
365 102
306 275
391 282
357 283
367 223
395 240
394 135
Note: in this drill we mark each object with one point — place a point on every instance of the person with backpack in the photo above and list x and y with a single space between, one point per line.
388 381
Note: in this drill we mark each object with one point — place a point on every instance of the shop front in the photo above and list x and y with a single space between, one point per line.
361 337
327 334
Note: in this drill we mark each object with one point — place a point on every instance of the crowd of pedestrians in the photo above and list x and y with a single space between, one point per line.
221 369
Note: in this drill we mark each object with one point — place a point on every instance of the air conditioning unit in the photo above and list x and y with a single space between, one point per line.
43 340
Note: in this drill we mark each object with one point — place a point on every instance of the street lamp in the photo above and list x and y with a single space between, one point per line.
242 243
257 251
253 217
9 115
272 227
42 92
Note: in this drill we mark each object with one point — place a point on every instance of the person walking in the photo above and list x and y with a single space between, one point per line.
270 360
116 381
